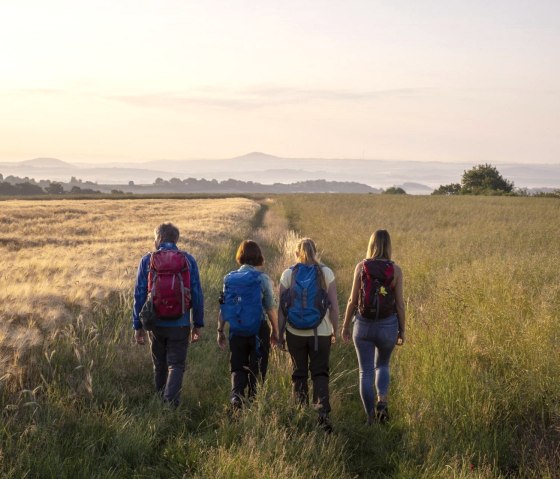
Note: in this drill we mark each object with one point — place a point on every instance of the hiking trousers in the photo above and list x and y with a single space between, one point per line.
304 359
169 355
249 363
374 342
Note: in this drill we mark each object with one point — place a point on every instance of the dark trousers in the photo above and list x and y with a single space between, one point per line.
169 354
304 358
249 363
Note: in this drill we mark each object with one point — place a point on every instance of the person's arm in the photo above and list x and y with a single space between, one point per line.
221 338
269 305
333 308
399 300
352 303
197 300
140 296
281 319
273 318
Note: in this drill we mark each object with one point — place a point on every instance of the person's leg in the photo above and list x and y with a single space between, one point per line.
386 331
385 339
365 351
253 366
298 348
319 369
177 345
158 345
239 362
264 350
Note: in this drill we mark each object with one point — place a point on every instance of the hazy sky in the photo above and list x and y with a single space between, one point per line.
444 80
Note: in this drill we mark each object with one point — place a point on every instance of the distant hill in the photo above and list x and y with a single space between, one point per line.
256 156
415 177
415 188
47 163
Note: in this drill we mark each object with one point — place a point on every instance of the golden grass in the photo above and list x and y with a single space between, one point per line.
61 257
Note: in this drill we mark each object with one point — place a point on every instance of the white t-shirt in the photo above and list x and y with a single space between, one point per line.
325 328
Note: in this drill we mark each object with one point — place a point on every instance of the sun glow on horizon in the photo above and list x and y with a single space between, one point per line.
144 80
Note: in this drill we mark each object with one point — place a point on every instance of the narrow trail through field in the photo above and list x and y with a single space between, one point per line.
271 231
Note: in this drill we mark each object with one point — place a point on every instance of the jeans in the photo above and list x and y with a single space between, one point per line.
374 342
169 354
249 362
304 358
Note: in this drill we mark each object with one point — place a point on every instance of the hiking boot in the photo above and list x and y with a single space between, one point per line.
381 412
325 424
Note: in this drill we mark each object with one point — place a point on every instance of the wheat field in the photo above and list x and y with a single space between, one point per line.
64 257
475 389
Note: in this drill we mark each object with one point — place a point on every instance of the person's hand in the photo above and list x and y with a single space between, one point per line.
400 338
140 336
282 342
221 340
195 335
346 334
333 338
274 341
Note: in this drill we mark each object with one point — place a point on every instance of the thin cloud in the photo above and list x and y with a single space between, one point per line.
257 97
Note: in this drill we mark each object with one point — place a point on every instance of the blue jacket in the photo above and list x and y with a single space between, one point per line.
141 293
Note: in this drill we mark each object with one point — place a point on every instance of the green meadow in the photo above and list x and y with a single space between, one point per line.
475 389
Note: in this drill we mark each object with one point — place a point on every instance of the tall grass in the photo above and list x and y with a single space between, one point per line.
476 387
475 390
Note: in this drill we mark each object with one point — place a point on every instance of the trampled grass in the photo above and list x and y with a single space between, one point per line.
475 389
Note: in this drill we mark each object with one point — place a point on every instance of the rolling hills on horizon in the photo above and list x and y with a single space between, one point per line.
419 177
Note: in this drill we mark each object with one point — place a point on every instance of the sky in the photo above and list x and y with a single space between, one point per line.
447 80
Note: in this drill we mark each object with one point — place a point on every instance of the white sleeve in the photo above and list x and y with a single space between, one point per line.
286 278
329 275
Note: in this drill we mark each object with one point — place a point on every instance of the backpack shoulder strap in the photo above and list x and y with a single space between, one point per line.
294 269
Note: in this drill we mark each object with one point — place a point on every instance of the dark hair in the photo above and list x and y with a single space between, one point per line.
166 233
250 253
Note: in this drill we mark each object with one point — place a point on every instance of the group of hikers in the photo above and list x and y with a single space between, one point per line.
168 295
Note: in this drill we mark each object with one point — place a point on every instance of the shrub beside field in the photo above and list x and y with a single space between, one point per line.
475 388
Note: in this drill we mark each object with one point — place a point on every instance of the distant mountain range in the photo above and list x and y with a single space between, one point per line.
415 177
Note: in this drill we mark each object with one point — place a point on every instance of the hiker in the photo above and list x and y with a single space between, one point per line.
166 295
308 315
377 304
245 303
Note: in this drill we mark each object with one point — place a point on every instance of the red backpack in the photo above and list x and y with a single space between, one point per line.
169 283
377 299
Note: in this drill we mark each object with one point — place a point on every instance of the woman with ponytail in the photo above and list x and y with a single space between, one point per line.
308 321
377 305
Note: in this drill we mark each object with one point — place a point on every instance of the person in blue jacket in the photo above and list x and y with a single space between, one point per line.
169 339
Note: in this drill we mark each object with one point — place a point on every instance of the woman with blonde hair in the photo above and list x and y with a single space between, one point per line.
308 316
377 305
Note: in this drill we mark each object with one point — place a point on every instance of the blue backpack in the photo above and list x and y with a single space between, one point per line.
305 302
242 306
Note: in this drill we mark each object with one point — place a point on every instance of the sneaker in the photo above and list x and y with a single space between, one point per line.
325 424
381 412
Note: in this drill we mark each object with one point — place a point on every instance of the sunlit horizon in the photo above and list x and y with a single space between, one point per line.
131 82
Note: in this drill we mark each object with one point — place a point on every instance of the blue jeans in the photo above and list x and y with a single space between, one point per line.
374 342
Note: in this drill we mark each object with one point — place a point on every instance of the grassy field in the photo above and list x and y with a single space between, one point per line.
475 391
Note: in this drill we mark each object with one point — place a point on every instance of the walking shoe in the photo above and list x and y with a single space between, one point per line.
381 412
325 424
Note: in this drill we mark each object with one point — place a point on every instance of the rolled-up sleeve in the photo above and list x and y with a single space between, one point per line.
197 298
140 291
269 302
